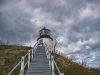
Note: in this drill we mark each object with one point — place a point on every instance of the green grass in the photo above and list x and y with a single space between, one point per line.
10 55
71 68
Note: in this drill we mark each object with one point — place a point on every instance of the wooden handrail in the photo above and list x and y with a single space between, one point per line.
22 63
52 61
29 56
14 68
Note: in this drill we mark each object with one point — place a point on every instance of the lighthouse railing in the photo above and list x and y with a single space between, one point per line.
24 62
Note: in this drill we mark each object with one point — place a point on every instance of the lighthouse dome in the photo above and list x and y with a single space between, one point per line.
44 33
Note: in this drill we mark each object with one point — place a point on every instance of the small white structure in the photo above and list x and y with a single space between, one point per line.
45 37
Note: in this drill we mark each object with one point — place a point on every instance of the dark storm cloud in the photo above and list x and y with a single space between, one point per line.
74 23
20 18
14 24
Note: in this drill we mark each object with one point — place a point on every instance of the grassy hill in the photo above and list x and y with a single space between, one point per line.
9 57
71 68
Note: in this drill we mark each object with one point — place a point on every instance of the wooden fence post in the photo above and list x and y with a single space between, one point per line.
29 58
52 62
22 66
61 73
32 54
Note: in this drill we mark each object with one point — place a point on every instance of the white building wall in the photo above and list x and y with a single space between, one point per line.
48 42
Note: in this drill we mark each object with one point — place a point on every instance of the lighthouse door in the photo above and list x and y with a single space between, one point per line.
41 42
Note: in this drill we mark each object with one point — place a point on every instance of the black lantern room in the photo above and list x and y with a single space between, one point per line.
44 33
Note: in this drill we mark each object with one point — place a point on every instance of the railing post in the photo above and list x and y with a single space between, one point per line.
47 53
29 58
22 66
49 56
52 62
32 54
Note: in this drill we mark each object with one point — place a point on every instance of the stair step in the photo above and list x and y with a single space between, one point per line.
39 66
40 73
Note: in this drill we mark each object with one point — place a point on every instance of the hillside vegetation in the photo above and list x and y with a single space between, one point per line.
71 68
10 56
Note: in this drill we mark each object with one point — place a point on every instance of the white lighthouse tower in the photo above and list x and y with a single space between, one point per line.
45 37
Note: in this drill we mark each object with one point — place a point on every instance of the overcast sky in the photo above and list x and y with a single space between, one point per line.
74 23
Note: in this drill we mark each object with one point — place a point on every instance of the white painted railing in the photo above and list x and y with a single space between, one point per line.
10 73
52 62
55 64
25 61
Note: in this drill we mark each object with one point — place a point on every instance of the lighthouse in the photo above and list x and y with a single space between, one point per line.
45 37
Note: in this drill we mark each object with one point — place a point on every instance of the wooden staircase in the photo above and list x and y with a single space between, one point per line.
39 64
42 63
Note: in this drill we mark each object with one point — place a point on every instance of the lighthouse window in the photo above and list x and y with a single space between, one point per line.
47 32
